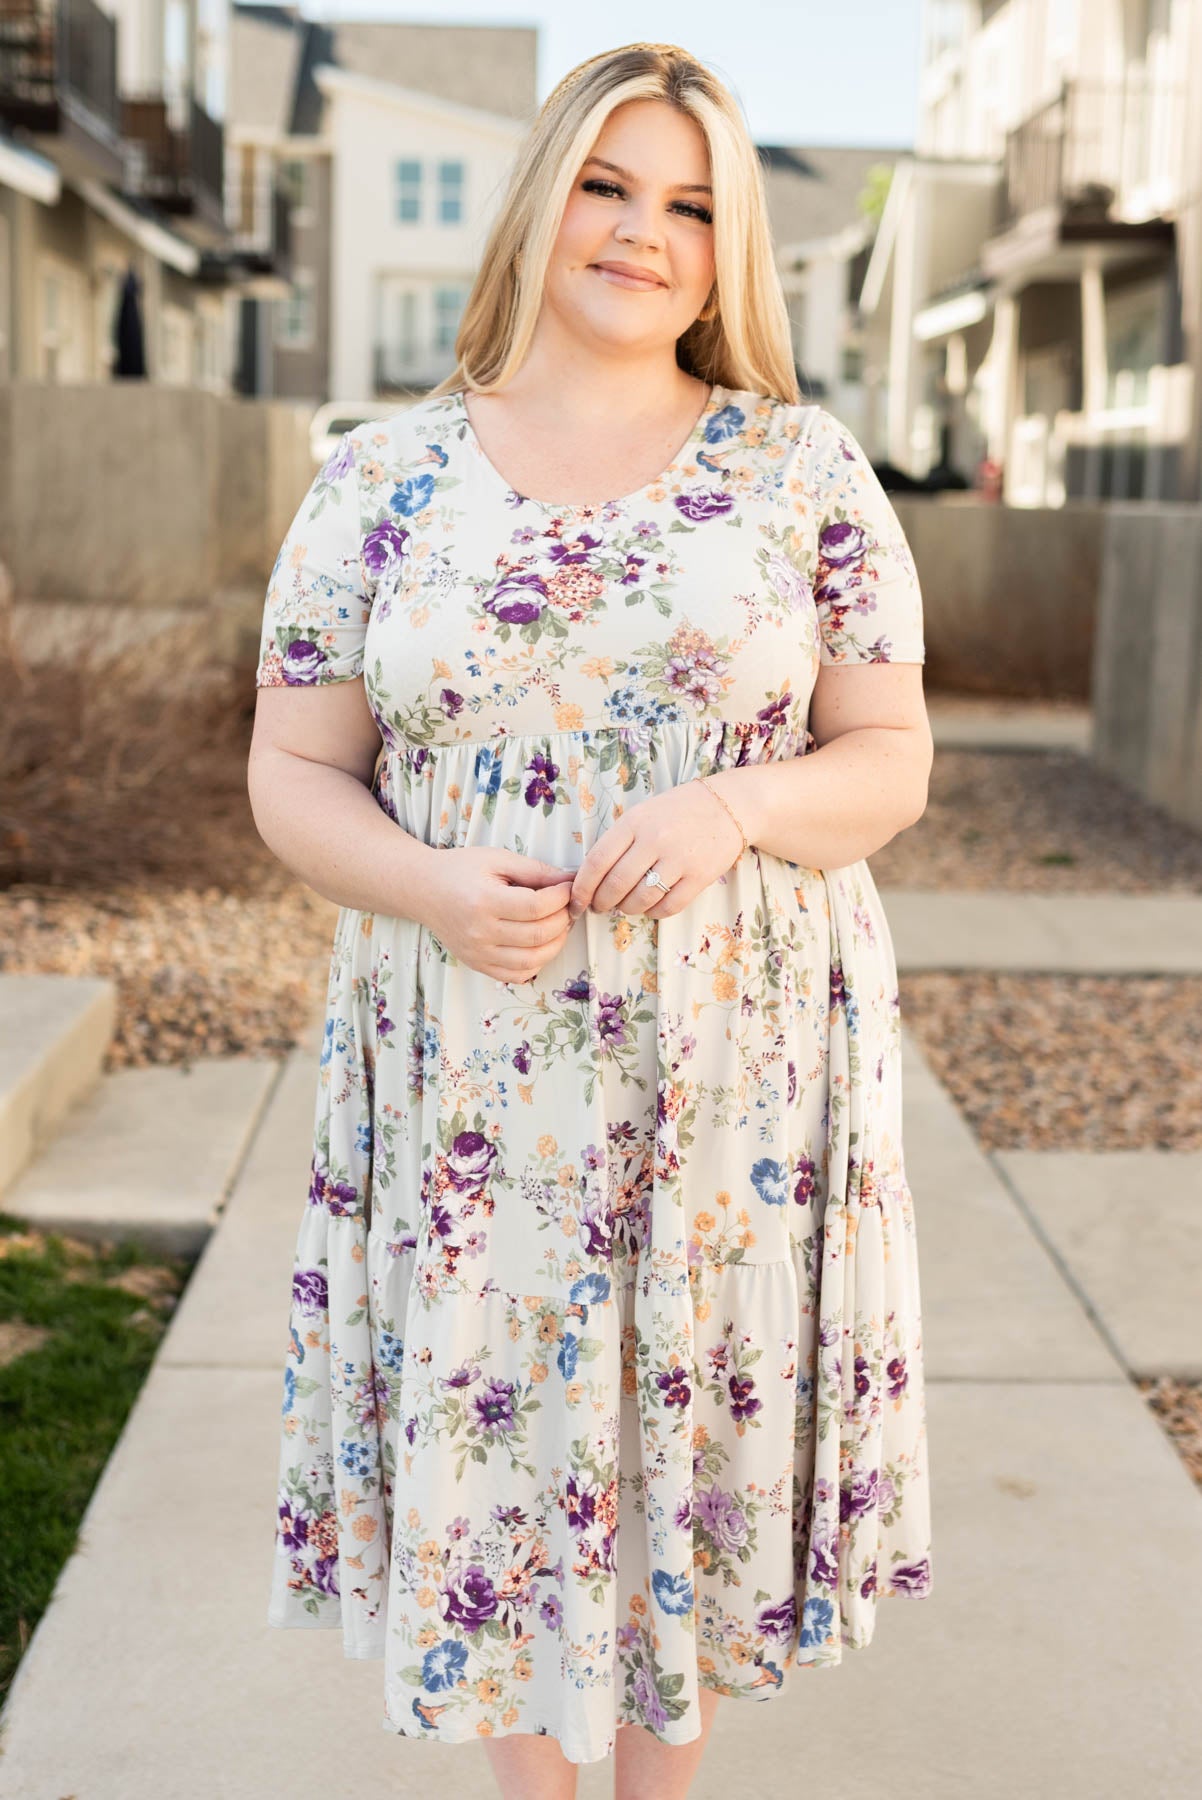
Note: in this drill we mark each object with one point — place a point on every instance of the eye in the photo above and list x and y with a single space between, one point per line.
596 184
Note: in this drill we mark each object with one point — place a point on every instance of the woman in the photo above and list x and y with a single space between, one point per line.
604 1392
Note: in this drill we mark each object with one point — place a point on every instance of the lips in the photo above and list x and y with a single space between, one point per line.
627 277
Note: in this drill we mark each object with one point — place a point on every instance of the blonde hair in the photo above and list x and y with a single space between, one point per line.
746 342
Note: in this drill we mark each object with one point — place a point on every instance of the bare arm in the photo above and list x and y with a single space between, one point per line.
866 781
312 757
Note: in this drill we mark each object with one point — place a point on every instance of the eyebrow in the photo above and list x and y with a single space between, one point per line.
680 187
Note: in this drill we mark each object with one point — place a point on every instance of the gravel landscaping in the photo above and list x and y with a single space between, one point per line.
1038 821
1065 1062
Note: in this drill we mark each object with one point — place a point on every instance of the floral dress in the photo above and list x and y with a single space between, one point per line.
603 1372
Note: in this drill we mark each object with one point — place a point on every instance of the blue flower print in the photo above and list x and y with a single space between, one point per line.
590 1288
355 1458
289 1389
443 1665
726 423
816 1621
769 1178
565 1362
674 1592
413 494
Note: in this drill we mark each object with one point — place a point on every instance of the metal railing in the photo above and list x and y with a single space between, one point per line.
57 56
179 170
1096 147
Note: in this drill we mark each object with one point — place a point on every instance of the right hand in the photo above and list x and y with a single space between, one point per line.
499 912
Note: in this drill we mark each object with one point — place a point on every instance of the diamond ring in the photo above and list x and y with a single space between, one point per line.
655 881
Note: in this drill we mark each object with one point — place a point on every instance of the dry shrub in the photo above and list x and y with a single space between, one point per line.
116 767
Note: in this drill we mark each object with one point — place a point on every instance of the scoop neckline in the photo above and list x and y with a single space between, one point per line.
716 394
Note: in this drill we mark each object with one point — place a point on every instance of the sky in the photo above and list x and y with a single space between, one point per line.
805 73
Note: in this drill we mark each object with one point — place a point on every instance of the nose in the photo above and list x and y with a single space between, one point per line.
639 225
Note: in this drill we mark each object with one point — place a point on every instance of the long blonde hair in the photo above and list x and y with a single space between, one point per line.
746 344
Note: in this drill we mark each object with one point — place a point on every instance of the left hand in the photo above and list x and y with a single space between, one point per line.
685 834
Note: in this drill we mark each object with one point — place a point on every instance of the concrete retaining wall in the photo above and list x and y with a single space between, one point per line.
1009 593
1147 678
143 495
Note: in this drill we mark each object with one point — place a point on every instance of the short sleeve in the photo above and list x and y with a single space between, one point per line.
866 588
317 609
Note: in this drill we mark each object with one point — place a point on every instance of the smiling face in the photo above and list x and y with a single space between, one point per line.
633 261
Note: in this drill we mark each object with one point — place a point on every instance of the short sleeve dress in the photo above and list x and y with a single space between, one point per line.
603 1377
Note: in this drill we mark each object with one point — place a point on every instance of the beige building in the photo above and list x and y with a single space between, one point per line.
1035 293
112 194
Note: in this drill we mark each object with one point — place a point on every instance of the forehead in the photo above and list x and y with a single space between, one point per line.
643 137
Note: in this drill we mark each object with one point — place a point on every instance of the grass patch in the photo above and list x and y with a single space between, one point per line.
79 1327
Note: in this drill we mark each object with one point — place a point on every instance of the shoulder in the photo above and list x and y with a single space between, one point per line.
393 433
765 420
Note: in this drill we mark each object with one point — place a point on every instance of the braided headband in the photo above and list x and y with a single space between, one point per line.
582 69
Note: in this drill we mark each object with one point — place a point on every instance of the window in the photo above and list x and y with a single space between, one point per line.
408 191
448 308
294 321
450 192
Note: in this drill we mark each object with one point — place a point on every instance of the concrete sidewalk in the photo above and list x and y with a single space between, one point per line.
1071 934
1056 1654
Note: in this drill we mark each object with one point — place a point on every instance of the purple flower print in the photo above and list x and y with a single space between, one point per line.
634 569
911 1578
541 787
293 1526
743 1403
383 547
451 702
842 543
858 1496
725 1522
551 1612
579 988
517 599
340 461
309 1290
674 1386
596 1231
494 1405
521 1057
838 990
609 1024
580 1504
803 1187
710 503
469 1599
469 1162
779 1621
646 1698
463 1376
789 582
777 711
302 663
895 1369
696 678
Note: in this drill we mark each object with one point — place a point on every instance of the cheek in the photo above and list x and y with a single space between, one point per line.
577 234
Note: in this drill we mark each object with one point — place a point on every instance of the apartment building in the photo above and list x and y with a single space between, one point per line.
1035 292
116 260
393 142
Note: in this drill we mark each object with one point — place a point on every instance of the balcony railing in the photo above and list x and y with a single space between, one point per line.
58 74
179 170
1113 150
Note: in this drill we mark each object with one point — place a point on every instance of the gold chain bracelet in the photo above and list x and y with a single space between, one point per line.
704 780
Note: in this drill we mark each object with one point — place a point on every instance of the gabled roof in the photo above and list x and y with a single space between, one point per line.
274 53
813 189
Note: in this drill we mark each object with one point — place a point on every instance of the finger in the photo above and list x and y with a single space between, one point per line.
513 901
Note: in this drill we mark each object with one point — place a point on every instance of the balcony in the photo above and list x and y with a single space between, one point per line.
58 83
177 167
257 264
1098 153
